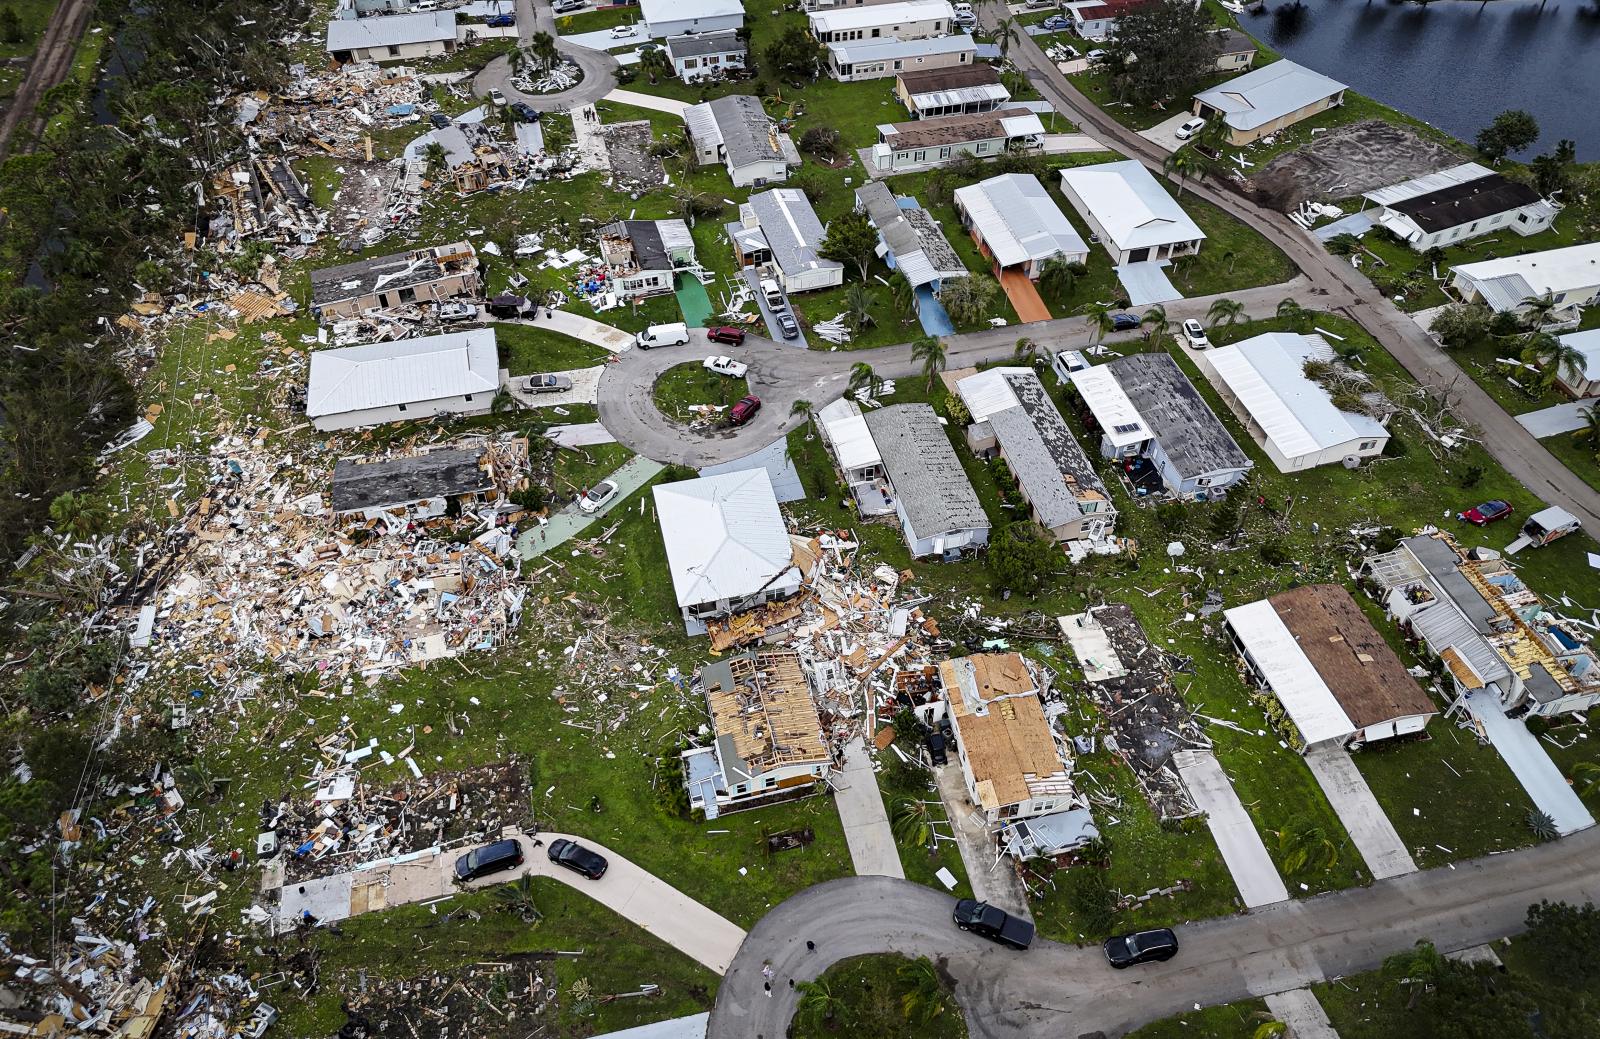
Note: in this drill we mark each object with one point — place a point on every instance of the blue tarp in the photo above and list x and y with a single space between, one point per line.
931 313
399 109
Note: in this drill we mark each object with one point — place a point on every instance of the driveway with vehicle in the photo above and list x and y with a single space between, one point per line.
769 314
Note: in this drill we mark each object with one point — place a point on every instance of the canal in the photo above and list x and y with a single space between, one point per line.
1455 63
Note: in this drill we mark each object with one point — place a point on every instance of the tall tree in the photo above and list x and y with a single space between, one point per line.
1180 166
968 299
1100 318
10 25
1161 51
1156 322
1588 435
1057 277
1023 557
858 302
901 291
793 55
1554 358
862 377
923 999
1511 131
1225 312
931 352
1293 314
850 238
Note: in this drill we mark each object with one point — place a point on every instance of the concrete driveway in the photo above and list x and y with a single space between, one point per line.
1164 134
992 878
1364 819
1235 832
604 39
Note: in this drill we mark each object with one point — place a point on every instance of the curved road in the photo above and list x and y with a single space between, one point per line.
1504 438
1057 991
599 68
781 375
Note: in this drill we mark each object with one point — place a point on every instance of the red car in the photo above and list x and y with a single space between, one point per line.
1488 512
744 411
726 334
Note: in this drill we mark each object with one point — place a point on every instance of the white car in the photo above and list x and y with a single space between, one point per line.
726 366
596 497
1189 128
1195 333
456 310
622 31
496 98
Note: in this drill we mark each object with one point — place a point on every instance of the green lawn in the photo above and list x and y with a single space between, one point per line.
469 59
901 784
32 17
1571 744
597 18
1228 1021
866 998
526 350
691 383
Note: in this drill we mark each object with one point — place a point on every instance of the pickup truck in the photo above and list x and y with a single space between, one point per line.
985 920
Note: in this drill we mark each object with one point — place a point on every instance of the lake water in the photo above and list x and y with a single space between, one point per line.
1454 63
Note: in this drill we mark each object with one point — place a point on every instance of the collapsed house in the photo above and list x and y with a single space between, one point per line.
473 159
1503 648
1326 677
767 742
453 374
1159 430
1014 419
410 488
260 198
646 255
940 514
381 282
1129 679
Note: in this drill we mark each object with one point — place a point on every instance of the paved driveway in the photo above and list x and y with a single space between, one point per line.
1164 135
1369 827
1235 832
570 521
866 823
992 878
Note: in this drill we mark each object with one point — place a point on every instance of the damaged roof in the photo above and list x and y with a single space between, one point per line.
748 134
394 271
408 479
1043 455
791 228
928 479
1000 724
1191 435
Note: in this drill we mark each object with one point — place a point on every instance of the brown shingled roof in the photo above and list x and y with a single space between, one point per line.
923 81
1364 674
951 129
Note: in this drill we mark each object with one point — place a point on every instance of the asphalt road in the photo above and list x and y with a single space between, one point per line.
49 66
1504 438
599 68
781 375
1057 991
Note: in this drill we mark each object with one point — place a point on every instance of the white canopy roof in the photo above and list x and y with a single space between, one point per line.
1294 680
724 534
1018 220
381 375
989 391
1118 418
872 15
1131 205
390 30
847 431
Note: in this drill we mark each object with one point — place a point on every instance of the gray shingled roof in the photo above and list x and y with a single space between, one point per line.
792 229
1191 435
923 468
1042 453
402 481
724 42
748 133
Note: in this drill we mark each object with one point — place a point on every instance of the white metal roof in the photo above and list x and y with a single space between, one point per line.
888 48
724 534
1554 270
867 17
989 391
1018 220
1290 673
1118 418
381 375
976 93
1131 205
701 123
1266 373
682 10
847 431
390 30
1428 183
1267 93
1588 344
1553 518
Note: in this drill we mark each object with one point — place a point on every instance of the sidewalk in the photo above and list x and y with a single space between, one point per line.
1374 835
569 522
866 824
1253 872
656 104
1299 1009
579 327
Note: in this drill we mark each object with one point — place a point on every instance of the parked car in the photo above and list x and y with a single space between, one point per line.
1189 128
565 6
726 366
496 98
674 334
501 21
726 335
1487 513
788 327
934 741
745 410
491 858
1126 950
1095 56
548 384
525 112
455 310
946 727
1056 22
1195 333
997 925
439 120
1124 322
623 31
577 858
508 305
596 497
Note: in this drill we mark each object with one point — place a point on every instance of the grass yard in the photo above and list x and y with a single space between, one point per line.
901 785
597 18
469 59
867 1001
580 468
1575 748
684 385
1228 1021
526 350
450 938
32 17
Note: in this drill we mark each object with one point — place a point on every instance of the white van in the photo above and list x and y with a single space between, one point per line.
962 9
675 334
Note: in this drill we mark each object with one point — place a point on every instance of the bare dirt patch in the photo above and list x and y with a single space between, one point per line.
1347 161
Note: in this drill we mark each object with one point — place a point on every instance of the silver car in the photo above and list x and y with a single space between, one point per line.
548 384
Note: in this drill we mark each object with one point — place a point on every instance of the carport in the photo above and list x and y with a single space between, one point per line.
1147 283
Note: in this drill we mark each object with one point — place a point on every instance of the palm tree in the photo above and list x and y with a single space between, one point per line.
1006 28
1180 166
1100 320
74 514
862 377
801 407
1293 314
1306 846
435 162
516 899
912 823
1025 352
1553 357
543 49
1589 434
1155 319
503 401
923 999
1225 312
1056 277
930 351
901 291
508 120
519 60
819 1007
654 62
1586 773
1537 310
858 302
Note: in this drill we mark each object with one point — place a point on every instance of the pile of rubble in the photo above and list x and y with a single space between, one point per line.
564 75
499 999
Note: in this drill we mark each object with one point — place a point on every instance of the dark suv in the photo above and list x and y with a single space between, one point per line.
993 923
1126 950
491 858
577 858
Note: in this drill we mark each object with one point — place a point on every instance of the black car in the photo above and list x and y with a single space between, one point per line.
947 728
577 858
491 858
934 741
439 120
1124 322
786 324
995 924
508 305
1126 950
525 112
